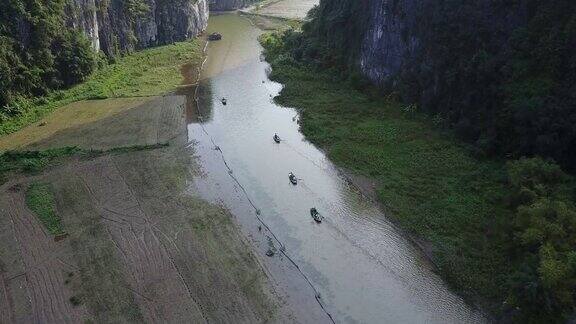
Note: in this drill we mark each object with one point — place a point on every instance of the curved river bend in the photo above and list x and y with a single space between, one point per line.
362 267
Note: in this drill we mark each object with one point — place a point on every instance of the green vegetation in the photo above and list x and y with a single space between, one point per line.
502 234
75 301
40 200
41 56
544 239
31 162
145 73
499 73
134 148
38 53
136 8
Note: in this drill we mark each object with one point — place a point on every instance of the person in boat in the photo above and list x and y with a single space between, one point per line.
292 178
315 214
276 138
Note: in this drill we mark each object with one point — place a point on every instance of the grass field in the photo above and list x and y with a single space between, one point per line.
40 200
146 73
430 183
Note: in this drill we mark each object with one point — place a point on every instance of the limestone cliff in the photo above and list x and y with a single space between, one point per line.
390 38
115 27
407 34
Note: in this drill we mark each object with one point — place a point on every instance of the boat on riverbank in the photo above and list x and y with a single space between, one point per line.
215 37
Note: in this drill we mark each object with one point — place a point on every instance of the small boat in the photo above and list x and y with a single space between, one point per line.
276 138
316 215
293 178
214 37
224 102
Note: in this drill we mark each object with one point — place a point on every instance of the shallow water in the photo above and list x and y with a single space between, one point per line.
361 265
295 9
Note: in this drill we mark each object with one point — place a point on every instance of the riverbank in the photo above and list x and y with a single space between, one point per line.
431 185
145 73
100 222
246 171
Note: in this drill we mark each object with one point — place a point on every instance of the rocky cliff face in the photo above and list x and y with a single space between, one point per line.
498 72
113 27
407 34
223 5
390 38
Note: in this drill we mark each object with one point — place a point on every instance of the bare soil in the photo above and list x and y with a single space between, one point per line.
139 246
40 272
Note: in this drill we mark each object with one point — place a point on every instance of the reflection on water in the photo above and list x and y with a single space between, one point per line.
195 113
363 268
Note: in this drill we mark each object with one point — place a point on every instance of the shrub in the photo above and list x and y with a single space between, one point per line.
544 232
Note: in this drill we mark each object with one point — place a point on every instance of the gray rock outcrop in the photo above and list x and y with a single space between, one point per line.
114 27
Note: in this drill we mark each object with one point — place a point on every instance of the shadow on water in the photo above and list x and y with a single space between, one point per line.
195 113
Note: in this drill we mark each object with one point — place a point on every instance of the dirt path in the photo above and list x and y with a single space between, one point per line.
43 268
161 292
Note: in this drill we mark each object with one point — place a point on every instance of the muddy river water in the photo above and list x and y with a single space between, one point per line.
355 265
288 8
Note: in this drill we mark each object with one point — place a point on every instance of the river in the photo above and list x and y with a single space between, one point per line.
293 9
356 262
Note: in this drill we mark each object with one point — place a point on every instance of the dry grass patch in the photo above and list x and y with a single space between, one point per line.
72 115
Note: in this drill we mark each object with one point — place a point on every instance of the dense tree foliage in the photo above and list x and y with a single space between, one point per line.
501 73
543 286
508 85
37 53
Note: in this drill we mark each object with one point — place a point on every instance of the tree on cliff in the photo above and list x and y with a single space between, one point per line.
500 73
37 53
